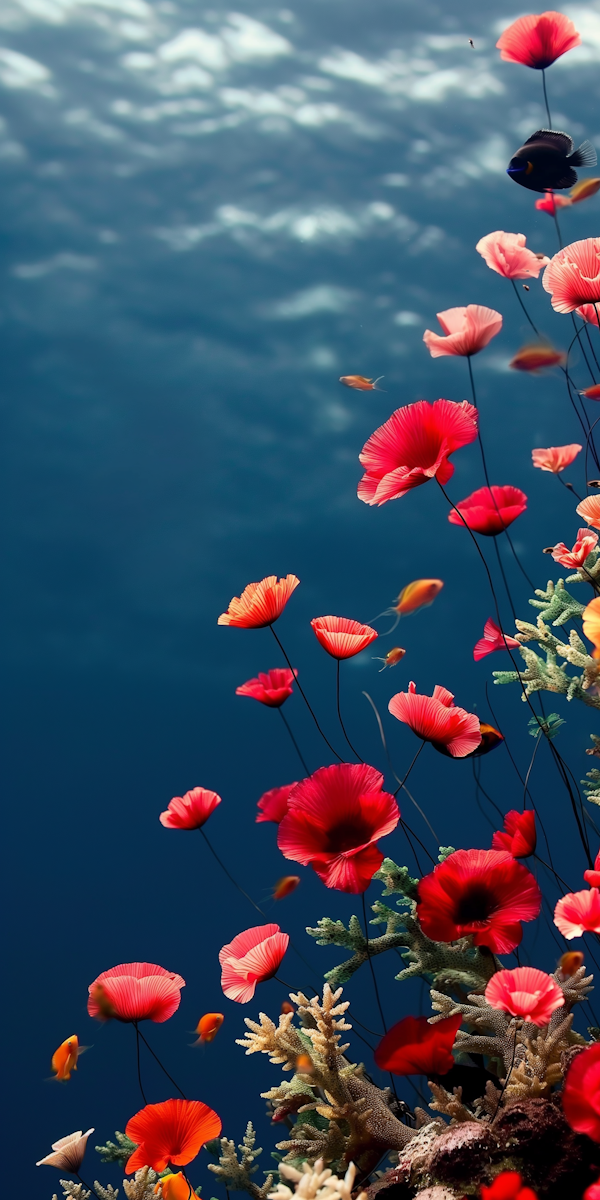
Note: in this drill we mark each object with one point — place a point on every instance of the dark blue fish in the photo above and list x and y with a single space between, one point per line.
547 159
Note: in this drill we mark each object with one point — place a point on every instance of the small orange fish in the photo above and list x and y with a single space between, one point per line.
360 383
570 962
305 1064
284 887
286 1007
64 1060
537 356
584 189
392 657
490 738
592 393
174 1187
418 594
208 1026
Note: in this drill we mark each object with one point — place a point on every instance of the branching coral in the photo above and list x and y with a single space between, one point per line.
316 1183
75 1191
142 1186
591 783
118 1151
236 1173
105 1193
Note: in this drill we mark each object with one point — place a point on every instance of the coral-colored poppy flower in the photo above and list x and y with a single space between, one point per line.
174 1187
341 637
589 509
171 1132
273 804
67 1153
466 330
573 276
589 313
508 254
333 821
578 913
252 957
525 992
536 357
591 624
270 687
414 1047
593 1192
593 877
437 719
551 201
135 992
581 1093
490 514
493 639
260 604
485 893
555 458
518 836
190 811
538 40
575 558
413 446
508 1185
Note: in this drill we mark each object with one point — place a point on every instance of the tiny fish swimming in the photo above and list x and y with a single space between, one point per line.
393 656
284 887
64 1060
208 1026
547 160
360 383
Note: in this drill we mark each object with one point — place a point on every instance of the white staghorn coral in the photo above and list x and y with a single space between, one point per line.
316 1183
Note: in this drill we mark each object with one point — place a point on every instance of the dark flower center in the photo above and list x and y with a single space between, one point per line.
347 835
475 905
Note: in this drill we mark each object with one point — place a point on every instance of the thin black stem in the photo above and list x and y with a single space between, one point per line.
578 331
546 99
163 1068
403 780
476 762
397 777
339 713
137 1051
86 1185
230 876
504 579
590 343
567 486
377 996
558 233
530 768
523 306
294 742
304 697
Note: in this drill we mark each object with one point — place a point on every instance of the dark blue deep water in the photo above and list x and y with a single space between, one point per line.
207 217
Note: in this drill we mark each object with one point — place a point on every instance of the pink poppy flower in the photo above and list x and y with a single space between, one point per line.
67 1153
260 604
578 913
507 254
518 836
572 277
581 1093
525 992
490 514
190 811
437 719
333 821
538 40
270 687
593 877
252 957
589 509
589 313
413 446
482 893
575 558
135 992
273 804
466 331
551 201
555 458
341 637
493 639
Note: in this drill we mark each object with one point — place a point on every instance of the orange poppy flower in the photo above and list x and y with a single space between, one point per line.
170 1132
260 604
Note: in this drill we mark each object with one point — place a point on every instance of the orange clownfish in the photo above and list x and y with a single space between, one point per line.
305 1064
208 1026
418 594
570 962
591 393
64 1060
360 383
286 1007
536 357
392 657
284 887
174 1187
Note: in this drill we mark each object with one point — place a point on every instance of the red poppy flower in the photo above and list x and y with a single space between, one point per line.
490 514
341 637
575 558
333 821
485 893
581 1093
260 604
171 1132
508 1185
271 687
190 811
414 1047
466 331
252 957
413 446
507 254
538 40
493 639
555 458
518 836
593 1192
578 913
573 276
551 201
273 804
437 719
525 992
135 992
589 509
588 313
593 877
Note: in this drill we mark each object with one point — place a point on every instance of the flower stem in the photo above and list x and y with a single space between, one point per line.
304 697
339 713
295 744
546 99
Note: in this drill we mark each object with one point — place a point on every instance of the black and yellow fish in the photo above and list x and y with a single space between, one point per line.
547 159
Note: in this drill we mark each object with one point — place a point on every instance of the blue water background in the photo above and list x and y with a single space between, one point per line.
201 231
